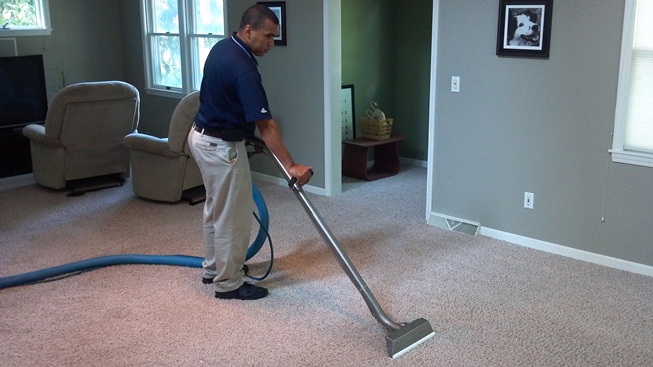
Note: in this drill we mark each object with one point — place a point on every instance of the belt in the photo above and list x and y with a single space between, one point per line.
226 134
212 133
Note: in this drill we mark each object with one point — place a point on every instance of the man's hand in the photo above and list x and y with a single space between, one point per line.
301 172
270 135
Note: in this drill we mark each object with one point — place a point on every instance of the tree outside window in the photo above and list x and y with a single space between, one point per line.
178 37
24 17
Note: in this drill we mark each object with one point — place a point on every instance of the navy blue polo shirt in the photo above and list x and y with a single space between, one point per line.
231 94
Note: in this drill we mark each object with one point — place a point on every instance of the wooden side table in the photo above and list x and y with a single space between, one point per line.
386 158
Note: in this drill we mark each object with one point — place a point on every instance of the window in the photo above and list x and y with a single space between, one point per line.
177 38
24 18
633 132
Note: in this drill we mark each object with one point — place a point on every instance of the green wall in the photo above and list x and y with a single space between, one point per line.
386 53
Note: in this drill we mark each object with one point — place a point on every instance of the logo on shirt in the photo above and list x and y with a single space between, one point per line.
263 110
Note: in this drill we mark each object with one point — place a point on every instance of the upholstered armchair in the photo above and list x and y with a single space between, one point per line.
83 132
163 168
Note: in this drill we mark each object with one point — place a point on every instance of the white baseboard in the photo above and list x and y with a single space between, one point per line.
569 252
454 224
282 182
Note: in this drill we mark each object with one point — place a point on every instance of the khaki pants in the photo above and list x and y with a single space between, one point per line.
227 217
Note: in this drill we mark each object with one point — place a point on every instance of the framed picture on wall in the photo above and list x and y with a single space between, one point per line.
524 28
279 9
347 111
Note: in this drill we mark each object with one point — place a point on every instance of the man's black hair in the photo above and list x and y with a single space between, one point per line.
256 15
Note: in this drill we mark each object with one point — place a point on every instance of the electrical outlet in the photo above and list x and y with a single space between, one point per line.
529 197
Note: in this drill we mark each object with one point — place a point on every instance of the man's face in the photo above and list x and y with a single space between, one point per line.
262 40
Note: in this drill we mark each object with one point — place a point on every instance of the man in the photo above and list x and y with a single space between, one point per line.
233 105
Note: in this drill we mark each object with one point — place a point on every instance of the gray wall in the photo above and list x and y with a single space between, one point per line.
542 126
293 76
518 124
85 44
155 110
101 40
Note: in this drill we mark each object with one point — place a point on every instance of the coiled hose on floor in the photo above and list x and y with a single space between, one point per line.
133 259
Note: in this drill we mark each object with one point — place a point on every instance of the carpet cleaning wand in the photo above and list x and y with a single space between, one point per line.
402 337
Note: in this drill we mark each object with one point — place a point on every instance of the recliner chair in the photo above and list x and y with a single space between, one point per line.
163 168
83 132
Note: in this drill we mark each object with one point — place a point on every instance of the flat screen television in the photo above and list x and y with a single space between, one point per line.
23 97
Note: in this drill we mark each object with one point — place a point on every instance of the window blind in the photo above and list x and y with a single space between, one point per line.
639 118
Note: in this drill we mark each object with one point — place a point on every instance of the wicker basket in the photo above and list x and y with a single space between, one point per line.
375 129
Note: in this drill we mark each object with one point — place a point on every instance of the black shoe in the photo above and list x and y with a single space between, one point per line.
245 292
210 280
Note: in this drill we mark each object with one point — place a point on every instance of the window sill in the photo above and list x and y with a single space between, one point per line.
172 93
24 32
638 159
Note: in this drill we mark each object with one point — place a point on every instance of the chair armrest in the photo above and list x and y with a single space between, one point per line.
36 133
149 144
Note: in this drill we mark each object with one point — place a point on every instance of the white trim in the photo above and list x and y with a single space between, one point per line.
187 56
172 93
430 168
25 32
619 154
282 182
569 252
441 221
623 86
332 70
44 29
144 22
639 159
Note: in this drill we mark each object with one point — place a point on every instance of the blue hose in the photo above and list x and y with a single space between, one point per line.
264 221
131 259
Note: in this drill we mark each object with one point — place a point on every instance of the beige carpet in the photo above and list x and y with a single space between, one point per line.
490 303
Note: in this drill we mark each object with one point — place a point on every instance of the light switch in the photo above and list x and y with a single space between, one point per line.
455 84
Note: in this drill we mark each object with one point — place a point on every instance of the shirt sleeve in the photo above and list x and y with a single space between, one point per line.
253 98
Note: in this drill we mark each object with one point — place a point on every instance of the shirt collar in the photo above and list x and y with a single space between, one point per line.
244 47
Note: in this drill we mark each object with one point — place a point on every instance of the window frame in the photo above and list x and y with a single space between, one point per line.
619 153
188 55
43 27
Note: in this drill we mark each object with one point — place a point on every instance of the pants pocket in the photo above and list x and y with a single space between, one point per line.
232 154
209 147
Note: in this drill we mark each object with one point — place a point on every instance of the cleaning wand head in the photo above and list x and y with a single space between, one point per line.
408 337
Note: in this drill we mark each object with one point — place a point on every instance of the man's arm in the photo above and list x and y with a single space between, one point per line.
270 135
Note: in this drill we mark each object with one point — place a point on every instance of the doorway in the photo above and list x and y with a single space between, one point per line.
388 62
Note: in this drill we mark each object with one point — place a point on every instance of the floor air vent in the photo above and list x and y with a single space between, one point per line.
454 224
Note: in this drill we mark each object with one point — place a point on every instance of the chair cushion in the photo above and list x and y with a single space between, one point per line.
181 122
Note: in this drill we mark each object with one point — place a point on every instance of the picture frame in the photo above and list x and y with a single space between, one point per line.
347 108
279 9
524 28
